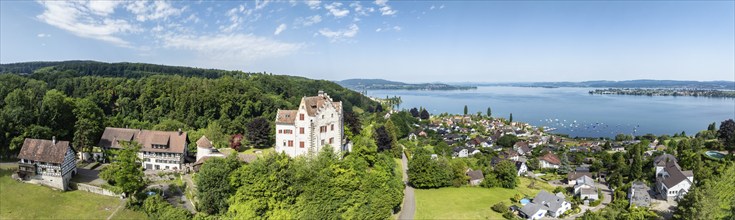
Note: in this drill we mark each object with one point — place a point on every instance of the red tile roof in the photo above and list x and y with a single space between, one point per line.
176 141
551 158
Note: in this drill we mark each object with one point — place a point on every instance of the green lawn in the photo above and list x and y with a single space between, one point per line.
469 202
29 201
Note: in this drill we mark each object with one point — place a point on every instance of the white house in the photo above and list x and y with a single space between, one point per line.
47 162
160 150
543 204
585 188
316 123
521 167
549 160
671 182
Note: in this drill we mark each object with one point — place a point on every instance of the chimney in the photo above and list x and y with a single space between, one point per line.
321 93
53 140
180 131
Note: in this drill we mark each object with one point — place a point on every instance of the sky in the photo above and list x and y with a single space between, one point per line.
410 41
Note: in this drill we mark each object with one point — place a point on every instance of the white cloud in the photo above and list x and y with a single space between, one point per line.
103 8
42 35
79 20
336 11
339 35
378 30
397 28
441 7
238 47
384 8
308 21
313 4
145 11
280 29
361 10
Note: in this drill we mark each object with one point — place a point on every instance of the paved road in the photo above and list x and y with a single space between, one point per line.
409 202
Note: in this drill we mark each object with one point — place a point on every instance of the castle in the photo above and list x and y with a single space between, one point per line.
316 123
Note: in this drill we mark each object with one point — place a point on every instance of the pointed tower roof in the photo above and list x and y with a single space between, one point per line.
203 142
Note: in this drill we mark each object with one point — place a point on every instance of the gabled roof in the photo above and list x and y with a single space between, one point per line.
531 209
585 180
286 116
676 176
551 158
43 150
575 175
203 142
176 141
475 174
550 201
663 158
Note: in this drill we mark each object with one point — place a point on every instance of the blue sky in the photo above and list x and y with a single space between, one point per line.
412 41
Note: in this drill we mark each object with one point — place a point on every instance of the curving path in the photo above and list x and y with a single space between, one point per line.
409 202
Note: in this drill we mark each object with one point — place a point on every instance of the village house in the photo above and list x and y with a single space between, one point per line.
671 182
47 162
521 168
573 176
544 204
585 188
638 194
464 151
549 160
522 147
317 122
476 177
160 150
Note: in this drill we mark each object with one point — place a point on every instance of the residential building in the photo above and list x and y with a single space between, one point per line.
638 194
549 160
160 150
521 167
573 176
544 204
476 177
671 182
47 162
317 122
464 151
585 188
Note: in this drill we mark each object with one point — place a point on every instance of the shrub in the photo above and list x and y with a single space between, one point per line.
596 202
500 207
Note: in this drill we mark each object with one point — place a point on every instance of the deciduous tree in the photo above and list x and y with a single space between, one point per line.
125 173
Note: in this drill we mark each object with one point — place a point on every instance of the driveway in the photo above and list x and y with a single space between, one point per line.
607 198
409 202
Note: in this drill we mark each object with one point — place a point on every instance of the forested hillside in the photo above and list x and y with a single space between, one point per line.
75 100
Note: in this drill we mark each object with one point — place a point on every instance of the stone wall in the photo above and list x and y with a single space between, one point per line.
93 189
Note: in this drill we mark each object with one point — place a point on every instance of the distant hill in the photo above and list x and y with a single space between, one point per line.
124 69
640 83
371 84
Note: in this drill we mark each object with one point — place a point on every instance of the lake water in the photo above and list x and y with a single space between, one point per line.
575 112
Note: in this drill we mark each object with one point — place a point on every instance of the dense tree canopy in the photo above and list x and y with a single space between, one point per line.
144 96
425 172
213 190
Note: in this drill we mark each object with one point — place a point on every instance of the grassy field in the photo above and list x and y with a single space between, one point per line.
29 201
469 202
